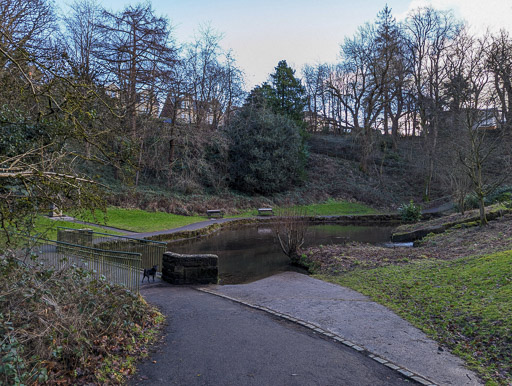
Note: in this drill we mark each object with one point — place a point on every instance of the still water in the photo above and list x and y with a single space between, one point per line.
251 252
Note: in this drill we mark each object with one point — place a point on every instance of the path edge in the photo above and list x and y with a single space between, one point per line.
328 334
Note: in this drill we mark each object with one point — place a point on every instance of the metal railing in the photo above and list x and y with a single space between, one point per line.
151 251
118 267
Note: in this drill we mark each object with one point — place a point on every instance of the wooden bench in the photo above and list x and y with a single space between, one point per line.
215 213
265 212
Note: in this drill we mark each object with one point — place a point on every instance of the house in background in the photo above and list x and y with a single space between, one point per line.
319 122
147 104
488 119
113 91
146 101
185 109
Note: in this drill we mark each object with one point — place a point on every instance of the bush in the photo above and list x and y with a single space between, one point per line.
503 194
471 201
265 153
410 212
64 326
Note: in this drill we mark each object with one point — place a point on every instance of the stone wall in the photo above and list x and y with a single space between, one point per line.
75 236
189 269
363 219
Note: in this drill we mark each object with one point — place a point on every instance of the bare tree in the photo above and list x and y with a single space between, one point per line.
204 90
82 36
290 231
499 61
475 156
138 53
26 27
476 145
205 76
459 183
393 70
319 105
233 87
358 87
137 50
430 34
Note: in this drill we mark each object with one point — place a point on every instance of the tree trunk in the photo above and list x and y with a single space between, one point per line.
139 162
171 160
483 218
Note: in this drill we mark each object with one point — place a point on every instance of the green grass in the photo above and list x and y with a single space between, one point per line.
336 208
328 208
137 220
465 305
48 228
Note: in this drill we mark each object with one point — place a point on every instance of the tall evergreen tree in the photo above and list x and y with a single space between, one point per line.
261 97
289 94
265 151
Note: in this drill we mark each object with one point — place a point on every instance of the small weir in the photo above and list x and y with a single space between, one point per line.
251 252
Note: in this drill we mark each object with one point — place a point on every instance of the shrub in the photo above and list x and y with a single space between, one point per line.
410 212
265 152
503 194
471 201
63 326
290 232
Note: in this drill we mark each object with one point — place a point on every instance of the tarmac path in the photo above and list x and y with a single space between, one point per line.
354 317
213 341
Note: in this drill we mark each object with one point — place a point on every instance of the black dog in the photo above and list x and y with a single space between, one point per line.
150 272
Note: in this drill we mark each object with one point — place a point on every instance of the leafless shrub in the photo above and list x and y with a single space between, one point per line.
290 231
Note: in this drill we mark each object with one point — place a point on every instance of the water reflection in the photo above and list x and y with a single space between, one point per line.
251 252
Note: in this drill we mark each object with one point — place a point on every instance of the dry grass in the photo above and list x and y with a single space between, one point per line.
453 244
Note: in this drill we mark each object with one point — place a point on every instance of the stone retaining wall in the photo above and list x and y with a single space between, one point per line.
364 219
76 236
189 269
418 234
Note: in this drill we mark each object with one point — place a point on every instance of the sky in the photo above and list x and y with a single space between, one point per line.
261 33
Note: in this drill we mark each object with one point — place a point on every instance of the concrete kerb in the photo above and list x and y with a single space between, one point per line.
339 339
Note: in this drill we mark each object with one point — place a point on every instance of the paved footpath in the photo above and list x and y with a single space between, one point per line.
189 227
356 318
213 341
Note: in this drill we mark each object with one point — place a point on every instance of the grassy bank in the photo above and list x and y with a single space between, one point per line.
137 220
464 304
327 208
47 228
64 327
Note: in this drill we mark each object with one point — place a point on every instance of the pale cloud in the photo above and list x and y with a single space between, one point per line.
480 15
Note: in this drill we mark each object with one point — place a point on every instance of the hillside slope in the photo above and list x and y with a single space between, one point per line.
332 172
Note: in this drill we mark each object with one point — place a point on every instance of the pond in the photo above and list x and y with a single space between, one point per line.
251 252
